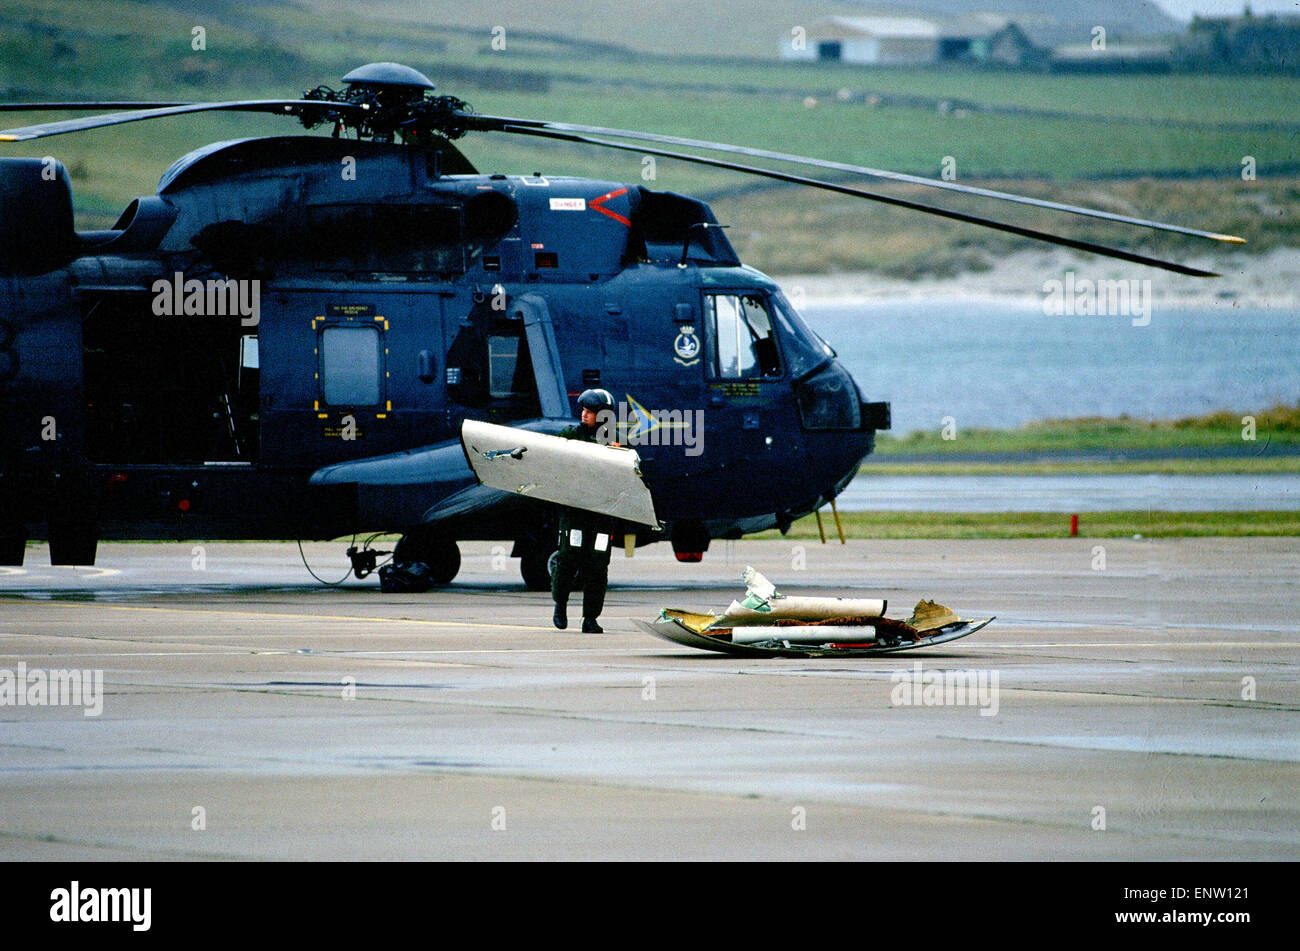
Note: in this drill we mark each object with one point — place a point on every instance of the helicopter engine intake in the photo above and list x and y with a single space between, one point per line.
36 230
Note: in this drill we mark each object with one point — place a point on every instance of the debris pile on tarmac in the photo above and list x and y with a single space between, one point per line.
768 622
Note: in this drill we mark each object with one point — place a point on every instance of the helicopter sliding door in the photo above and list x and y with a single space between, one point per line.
167 389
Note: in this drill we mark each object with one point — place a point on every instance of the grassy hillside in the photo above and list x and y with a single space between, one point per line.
735 28
749 28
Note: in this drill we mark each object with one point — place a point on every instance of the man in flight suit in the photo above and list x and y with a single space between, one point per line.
584 536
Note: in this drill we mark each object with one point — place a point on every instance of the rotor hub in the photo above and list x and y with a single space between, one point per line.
395 75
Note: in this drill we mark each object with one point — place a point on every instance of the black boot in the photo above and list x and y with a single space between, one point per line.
589 626
561 616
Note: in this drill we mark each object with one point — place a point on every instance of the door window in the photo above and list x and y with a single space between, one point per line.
503 367
743 343
350 366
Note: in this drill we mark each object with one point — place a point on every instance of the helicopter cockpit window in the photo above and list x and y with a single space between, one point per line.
743 342
350 366
804 349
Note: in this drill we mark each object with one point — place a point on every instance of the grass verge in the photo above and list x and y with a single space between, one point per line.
1271 465
1047 525
1276 426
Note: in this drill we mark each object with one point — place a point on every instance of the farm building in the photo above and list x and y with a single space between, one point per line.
870 41
889 40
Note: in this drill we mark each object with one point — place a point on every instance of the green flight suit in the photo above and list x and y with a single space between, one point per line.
586 539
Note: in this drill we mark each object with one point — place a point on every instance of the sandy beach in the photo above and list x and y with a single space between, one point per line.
1269 280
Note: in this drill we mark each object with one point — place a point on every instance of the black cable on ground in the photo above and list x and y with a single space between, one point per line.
303 555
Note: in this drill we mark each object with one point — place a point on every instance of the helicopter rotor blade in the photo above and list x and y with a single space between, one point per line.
874 196
502 124
280 106
84 106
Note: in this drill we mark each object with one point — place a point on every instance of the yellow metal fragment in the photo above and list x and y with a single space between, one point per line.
930 616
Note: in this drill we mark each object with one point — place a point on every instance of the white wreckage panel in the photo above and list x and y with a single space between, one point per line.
583 475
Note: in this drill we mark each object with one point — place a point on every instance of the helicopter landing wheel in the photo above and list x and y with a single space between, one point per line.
553 563
73 543
13 545
442 556
536 567
533 575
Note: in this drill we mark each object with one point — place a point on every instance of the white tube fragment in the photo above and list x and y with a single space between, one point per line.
817 634
806 609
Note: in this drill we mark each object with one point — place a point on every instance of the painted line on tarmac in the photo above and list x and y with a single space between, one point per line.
300 617
489 650
1139 745
1188 645
194 653
85 571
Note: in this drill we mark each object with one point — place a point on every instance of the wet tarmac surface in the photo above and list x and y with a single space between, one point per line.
248 712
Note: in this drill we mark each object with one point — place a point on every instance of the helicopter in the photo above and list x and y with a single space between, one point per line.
285 340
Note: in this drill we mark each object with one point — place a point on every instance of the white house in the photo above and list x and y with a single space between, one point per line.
876 41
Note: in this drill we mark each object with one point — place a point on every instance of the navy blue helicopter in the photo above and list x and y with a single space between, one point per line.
284 340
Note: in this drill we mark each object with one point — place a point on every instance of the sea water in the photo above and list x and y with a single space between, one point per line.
986 364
